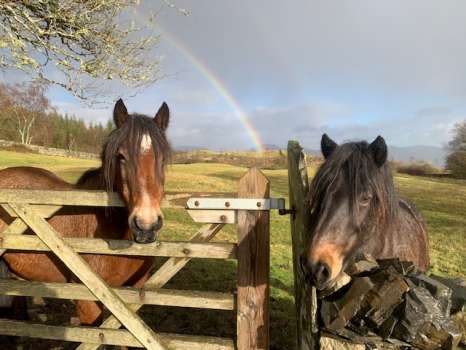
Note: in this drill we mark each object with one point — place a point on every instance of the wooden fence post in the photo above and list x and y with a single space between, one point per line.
253 266
305 295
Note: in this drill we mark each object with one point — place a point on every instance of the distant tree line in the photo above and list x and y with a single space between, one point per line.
456 160
27 117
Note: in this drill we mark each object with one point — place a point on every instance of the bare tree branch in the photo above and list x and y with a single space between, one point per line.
77 45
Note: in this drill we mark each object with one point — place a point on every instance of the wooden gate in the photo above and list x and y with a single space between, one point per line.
249 211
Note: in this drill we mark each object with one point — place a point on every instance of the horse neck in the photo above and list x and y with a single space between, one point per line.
403 237
115 217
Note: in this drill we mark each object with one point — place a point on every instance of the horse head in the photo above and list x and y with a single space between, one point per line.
352 199
134 160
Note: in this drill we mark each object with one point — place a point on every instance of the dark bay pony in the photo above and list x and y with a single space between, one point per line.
133 164
355 210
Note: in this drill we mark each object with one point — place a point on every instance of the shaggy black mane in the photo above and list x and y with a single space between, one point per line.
352 165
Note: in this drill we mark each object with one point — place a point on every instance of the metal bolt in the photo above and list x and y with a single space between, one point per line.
259 204
223 218
101 337
186 251
227 204
196 203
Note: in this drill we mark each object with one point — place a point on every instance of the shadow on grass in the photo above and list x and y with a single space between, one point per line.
209 275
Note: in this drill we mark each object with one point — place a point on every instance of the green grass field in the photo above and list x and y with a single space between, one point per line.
441 201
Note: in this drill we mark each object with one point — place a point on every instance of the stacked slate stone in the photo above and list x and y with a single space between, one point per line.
390 300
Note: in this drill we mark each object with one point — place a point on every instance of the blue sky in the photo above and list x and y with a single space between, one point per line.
353 69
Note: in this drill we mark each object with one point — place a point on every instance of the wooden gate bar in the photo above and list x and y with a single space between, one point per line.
305 295
166 297
43 210
123 247
94 282
253 266
55 197
119 337
161 277
75 198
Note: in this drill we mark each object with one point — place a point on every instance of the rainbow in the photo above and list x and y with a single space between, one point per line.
218 86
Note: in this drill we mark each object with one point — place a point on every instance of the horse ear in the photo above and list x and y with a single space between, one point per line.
162 117
120 113
379 151
327 145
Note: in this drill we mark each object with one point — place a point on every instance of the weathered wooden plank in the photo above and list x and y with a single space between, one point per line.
161 277
43 210
253 266
121 247
94 282
305 296
18 227
54 197
236 203
98 336
165 297
76 198
213 216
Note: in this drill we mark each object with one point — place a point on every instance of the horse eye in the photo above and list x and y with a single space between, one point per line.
365 198
121 158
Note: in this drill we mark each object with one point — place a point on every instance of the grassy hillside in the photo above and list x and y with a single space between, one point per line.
442 202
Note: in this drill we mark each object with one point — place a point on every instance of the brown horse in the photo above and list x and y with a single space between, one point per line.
355 210
133 164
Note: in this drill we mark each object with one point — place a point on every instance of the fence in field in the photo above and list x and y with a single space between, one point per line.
249 211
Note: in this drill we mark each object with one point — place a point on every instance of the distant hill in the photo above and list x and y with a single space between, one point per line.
431 154
186 148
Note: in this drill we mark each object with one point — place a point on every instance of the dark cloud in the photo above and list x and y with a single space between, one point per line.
352 68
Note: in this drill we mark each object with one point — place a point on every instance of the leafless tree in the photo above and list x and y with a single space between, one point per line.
26 102
77 44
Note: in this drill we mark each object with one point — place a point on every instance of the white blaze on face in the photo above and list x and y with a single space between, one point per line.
146 143
145 211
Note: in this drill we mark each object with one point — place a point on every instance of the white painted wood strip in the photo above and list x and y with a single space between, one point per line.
213 216
236 203
122 247
95 283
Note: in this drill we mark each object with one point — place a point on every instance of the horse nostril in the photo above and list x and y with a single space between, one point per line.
137 224
321 273
304 265
158 225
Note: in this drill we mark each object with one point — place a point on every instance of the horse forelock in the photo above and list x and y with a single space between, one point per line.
138 135
352 165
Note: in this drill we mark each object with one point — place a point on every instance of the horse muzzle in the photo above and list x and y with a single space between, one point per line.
144 233
317 273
